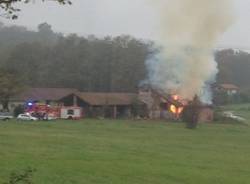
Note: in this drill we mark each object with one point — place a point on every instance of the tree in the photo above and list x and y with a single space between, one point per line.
10 85
46 35
48 59
191 113
234 67
10 10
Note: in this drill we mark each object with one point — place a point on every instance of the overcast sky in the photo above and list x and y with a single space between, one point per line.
115 17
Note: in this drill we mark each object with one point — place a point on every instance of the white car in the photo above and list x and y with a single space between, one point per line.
26 117
229 114
5 116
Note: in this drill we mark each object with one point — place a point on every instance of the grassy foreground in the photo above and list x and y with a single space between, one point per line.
125 152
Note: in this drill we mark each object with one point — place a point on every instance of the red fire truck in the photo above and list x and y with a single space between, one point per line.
48 112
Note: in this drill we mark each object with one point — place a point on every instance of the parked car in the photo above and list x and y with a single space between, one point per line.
6 116
26 117
231 115
50 118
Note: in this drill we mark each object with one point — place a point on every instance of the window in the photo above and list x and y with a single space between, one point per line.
70 112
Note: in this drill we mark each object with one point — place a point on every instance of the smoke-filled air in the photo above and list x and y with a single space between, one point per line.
188 32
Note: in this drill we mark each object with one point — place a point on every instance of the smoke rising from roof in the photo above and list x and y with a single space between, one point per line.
188 34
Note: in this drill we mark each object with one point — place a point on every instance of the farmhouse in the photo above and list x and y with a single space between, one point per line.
152 104
230 89
113 105
102 104
40 95
163 106
156 104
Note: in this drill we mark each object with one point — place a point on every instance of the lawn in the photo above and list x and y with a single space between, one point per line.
126 152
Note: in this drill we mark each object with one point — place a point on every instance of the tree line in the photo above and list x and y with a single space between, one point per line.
9 10
48 59
44 58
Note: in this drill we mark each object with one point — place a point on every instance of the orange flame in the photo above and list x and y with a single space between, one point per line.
176 110
180 109
175 97
173 109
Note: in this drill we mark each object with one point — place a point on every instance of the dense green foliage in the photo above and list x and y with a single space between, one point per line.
222 98
10 85
8 9
48 59
234 67
24 177
190 113
122 152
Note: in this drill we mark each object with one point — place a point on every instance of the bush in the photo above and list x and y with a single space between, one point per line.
24 177
191 113
222 98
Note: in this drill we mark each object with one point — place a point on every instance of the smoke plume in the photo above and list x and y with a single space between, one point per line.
189 31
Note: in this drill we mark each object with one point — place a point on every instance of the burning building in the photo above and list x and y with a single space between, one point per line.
182 62
183 59
171 107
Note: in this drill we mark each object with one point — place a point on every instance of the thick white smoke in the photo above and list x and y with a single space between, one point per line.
188 34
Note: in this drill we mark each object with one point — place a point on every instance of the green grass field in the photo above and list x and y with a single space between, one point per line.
126 152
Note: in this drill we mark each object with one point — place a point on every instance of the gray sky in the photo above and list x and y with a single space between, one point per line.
115 17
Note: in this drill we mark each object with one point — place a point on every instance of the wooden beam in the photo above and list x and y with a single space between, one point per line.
115 112
74 100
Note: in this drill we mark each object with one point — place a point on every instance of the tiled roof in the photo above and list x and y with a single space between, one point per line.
229 86
41 94
107 98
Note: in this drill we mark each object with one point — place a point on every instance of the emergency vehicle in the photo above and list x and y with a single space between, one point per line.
49 112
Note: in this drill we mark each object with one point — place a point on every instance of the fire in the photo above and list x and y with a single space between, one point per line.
173 109
175 97
176 110
180 109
